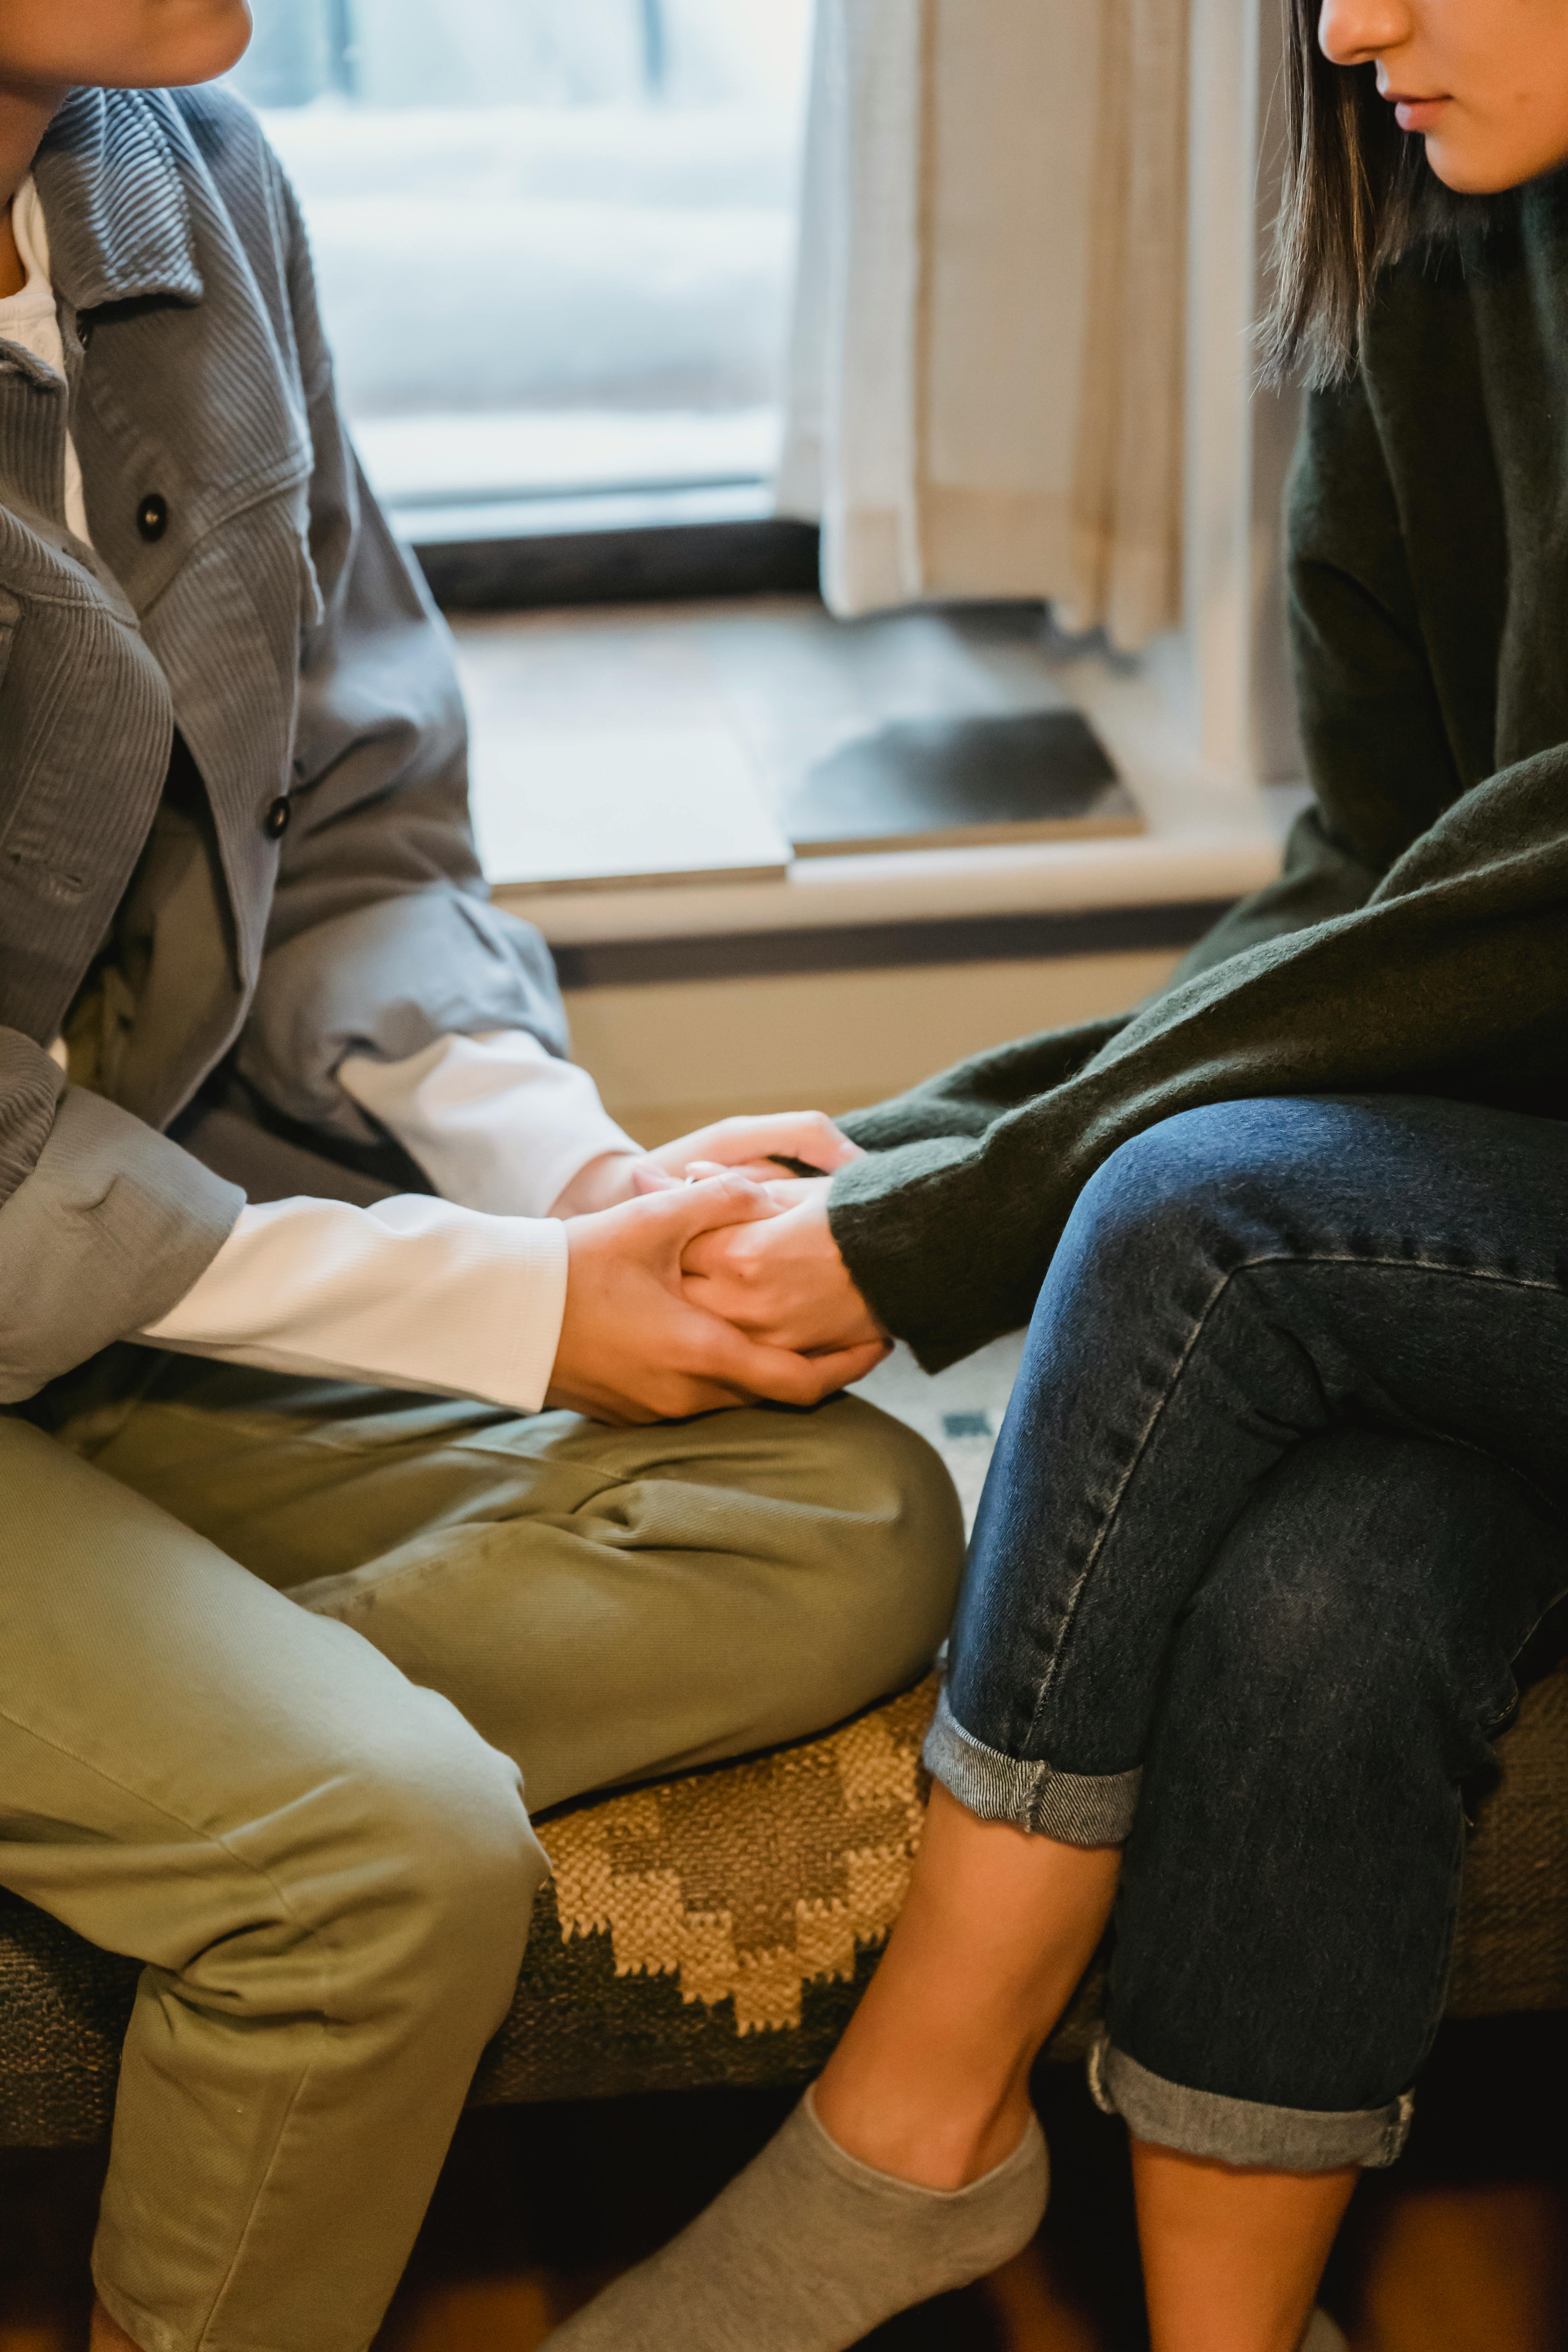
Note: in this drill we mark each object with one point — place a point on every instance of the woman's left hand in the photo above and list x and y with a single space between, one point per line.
781 1280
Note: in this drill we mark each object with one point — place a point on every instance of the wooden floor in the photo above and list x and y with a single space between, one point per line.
1462 2249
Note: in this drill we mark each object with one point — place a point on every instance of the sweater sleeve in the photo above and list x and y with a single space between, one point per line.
1408 945
1450 980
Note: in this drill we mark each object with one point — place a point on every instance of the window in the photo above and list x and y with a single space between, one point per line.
554 238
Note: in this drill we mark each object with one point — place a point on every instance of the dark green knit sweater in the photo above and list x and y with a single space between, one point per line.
1417 939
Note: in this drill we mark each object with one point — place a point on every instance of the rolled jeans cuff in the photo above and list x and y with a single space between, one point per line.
1078 1808
1243 2131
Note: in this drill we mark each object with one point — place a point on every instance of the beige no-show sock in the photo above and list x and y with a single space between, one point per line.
807 2250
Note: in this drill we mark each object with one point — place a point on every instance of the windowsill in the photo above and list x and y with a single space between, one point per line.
430 520
1052 877
756 668
836 979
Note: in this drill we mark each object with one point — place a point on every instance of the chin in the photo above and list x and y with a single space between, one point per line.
1467 175
204 50
1472 168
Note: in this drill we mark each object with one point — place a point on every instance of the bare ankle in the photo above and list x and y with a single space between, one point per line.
930 2082
947 2144
107 2336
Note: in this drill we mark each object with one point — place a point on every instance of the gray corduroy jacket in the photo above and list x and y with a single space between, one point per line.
242 589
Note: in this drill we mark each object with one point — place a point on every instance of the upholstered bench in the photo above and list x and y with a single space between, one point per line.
720 1928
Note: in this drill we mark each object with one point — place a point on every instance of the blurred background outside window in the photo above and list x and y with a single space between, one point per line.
554 239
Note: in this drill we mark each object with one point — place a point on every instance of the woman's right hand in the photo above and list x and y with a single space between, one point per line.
633 1348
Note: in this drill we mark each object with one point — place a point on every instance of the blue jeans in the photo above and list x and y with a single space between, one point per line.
1279 1498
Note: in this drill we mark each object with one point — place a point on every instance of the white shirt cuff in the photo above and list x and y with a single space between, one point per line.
412 1293
495 1122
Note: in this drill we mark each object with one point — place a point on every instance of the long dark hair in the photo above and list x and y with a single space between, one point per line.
1357 192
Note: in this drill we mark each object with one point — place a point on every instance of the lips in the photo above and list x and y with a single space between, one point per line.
1412 113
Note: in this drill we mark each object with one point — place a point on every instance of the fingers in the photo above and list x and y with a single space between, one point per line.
635 1345
731 1359
803 1135
841 1367
669 1396
806 1379
688 1210
647 1176
709 1256
741 1259
784 1191
708 1365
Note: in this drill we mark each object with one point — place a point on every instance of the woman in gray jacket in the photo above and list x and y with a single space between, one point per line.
304 1216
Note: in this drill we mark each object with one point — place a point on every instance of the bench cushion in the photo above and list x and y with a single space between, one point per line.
719 1929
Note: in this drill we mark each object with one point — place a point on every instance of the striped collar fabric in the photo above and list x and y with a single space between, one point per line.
119 221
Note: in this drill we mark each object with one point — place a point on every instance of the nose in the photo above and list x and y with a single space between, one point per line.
1353 32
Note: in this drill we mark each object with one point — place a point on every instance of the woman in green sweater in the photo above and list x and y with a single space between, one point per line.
1280 1494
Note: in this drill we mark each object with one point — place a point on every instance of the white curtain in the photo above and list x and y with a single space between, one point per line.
985 379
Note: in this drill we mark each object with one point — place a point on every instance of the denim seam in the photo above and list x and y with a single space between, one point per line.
1247 1265
1083 1809
1252 2132
1071 1612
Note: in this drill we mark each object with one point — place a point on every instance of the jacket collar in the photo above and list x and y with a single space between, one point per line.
118 215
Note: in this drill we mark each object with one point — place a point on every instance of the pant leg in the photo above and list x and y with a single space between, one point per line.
600 1604
327 1872
1287 1894
1231 1283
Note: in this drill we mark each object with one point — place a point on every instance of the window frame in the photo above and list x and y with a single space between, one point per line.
610 558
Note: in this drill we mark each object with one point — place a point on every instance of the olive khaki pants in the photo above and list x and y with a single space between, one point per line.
278 1660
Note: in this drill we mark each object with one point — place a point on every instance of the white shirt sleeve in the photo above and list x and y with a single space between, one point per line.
495 1121
461 1295
412 1293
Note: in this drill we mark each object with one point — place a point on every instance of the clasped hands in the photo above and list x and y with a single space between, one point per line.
703 1275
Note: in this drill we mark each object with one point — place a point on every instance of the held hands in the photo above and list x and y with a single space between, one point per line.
636 1343
752 1147
781 1280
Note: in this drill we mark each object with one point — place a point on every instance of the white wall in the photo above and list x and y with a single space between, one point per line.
670 1055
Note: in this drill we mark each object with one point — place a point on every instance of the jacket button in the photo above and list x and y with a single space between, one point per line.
153 515
275 823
